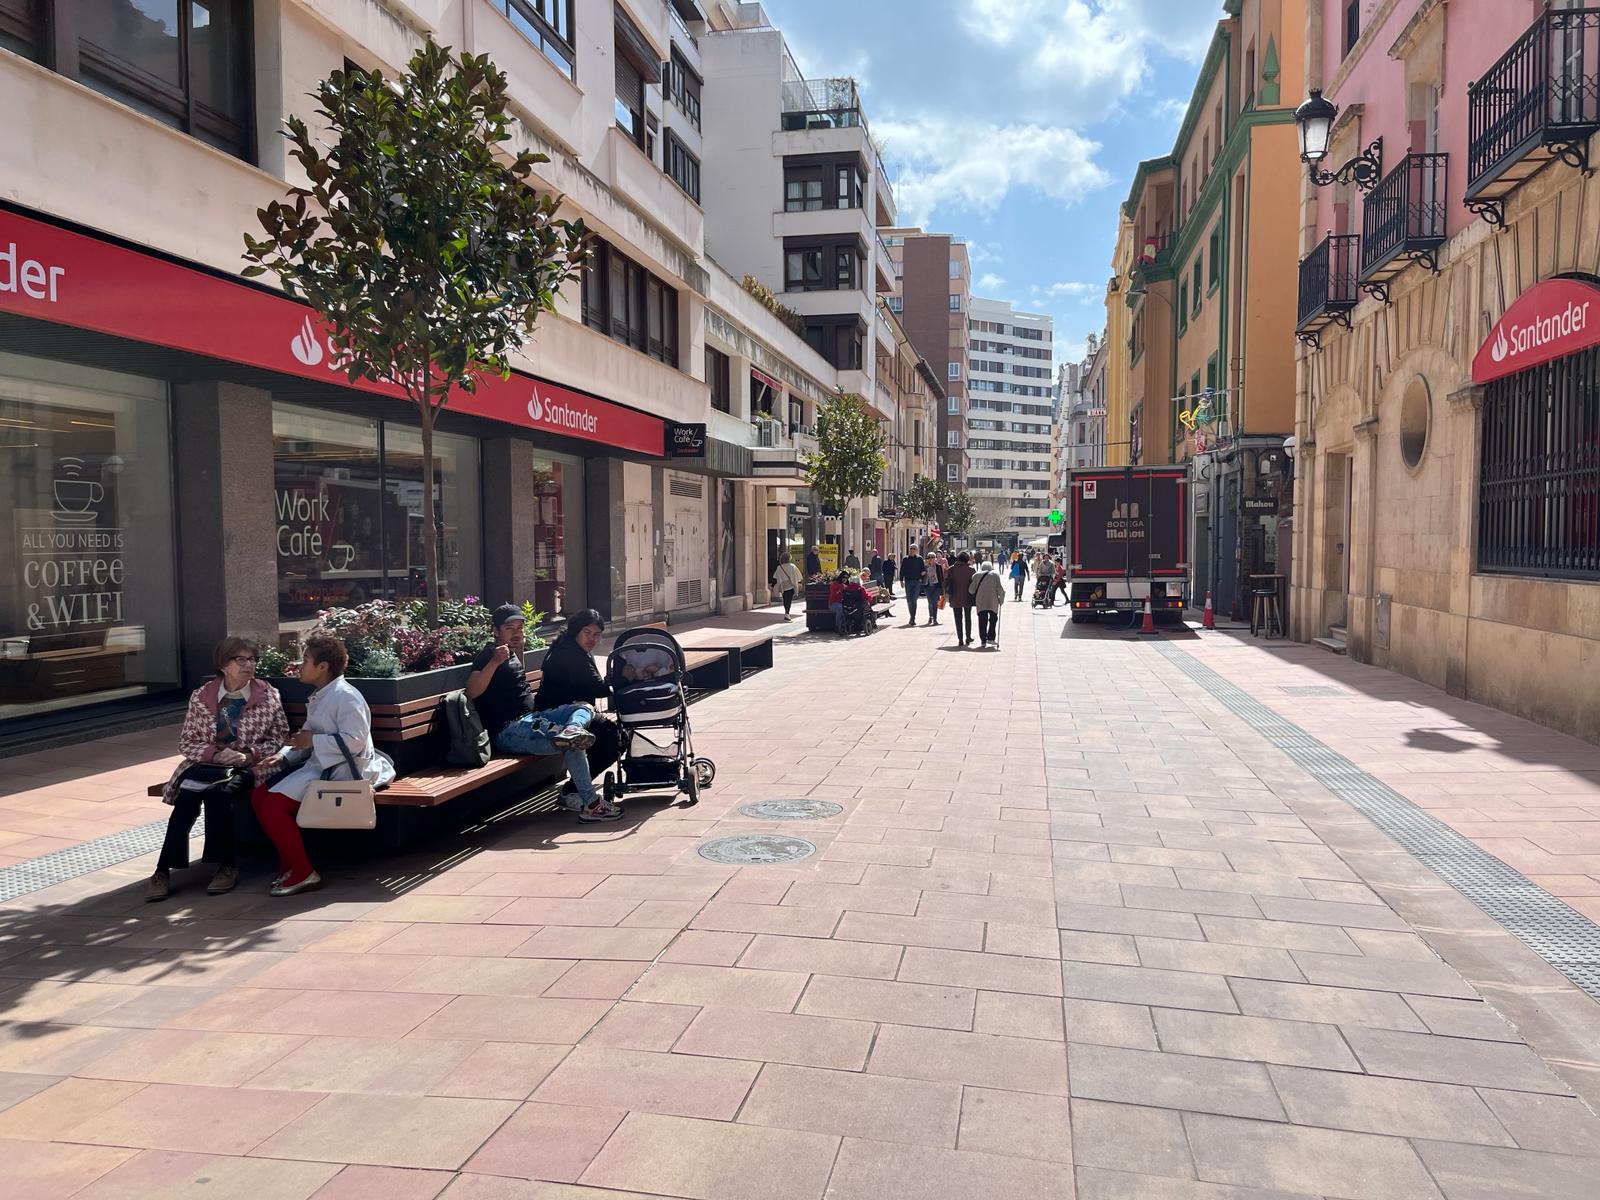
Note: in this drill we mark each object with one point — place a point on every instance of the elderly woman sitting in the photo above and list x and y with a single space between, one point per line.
235 724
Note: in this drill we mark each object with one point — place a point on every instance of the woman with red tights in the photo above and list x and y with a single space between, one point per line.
335 707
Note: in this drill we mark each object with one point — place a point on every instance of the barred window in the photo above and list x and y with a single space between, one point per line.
1539 486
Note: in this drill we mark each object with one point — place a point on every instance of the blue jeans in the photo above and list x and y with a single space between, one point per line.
838 617
531 734
913 590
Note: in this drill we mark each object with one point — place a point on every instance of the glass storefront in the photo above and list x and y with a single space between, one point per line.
87 604
558 534
348 492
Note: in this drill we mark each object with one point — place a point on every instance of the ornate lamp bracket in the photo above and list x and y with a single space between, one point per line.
1364 170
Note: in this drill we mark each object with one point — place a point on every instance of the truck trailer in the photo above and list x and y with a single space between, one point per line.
1127 540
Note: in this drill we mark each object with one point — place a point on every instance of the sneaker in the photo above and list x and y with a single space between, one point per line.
223 881
571 801
159 887
600 811
573 737
309 884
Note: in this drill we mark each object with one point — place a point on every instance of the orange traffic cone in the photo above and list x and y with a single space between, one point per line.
1209 621
1149 624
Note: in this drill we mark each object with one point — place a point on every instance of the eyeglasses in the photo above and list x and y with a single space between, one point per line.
243 660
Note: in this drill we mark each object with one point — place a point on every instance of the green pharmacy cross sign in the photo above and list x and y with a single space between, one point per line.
1055 516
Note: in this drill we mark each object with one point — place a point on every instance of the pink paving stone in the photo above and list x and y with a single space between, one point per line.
872 1170
854 897
639 945
983 1060
662 914
1016 1015
51 1171
267 1010
709 1160
545 910
339 972
193 1056
205 1120
392 1066
735 917
463 976
1006 909
513 1019
390 1131
911 931
645 1081
633 1026
448 909
1016 1124
172 1173
753 889
996 972
547 1141
383 1183
809 1041
683 983
57 1108
880 1000
881 1107
707 947
514 883
597 980
500 1071
872 960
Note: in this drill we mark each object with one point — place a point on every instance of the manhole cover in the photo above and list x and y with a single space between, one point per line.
763 848
803 809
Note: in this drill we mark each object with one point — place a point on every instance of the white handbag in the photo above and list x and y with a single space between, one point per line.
339 804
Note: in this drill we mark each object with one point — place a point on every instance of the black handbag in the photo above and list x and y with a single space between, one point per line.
210 774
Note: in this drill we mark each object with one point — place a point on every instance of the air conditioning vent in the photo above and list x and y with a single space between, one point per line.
692 488
639 598
690 592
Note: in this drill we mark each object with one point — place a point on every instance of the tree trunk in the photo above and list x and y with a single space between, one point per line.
430 534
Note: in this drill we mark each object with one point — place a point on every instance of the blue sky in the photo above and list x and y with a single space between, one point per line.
1016 124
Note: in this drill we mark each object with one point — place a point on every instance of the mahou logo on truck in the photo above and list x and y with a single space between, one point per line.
1548 321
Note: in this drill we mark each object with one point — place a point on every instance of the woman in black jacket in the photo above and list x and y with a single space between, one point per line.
569 676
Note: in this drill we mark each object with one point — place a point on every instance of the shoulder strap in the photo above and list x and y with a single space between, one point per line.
348 757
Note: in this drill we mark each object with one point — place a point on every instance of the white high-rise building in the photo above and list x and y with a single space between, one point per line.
1010 396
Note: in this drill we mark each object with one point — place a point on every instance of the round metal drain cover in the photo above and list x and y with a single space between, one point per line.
761 848
803 809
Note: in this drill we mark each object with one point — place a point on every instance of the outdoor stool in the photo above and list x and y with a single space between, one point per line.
1265 614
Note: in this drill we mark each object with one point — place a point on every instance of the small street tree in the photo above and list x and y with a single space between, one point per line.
930 501
849 462
959 516
418 237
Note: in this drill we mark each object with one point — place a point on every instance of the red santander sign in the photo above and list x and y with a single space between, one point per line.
1548 321
56 274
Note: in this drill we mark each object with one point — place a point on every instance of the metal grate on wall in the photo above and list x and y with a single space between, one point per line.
1552 929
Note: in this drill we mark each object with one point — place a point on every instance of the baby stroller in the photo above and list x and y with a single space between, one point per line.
647 675
1041 592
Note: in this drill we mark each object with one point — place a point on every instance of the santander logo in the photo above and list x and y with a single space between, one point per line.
305 345
561 415
536 406
1549 321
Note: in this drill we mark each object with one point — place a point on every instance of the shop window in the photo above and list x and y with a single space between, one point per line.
184 62
87 603
348 495
717 372
557 535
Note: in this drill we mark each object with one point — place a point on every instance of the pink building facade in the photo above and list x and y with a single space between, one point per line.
1447 441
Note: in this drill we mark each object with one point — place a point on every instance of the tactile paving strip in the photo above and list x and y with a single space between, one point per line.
94 855
1552 929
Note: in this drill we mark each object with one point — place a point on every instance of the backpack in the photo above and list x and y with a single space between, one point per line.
469 740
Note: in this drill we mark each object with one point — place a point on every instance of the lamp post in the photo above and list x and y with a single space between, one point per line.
1314 121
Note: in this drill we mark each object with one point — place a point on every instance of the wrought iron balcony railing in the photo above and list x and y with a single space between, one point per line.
1403 217
1327 285
1539 104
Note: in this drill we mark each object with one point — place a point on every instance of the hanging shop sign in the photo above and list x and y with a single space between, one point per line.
56 274
1548 321
686 440
1261 505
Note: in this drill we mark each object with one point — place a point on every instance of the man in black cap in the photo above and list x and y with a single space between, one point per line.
498 687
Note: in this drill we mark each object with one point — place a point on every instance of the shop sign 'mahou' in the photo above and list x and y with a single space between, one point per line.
1548 321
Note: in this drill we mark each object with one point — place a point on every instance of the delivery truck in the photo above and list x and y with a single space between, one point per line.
1127 540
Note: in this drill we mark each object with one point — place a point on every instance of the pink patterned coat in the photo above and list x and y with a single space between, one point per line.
262 730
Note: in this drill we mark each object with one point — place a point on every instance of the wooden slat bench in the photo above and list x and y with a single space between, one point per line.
749 652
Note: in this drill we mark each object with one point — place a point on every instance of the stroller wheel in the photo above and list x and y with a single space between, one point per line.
705 772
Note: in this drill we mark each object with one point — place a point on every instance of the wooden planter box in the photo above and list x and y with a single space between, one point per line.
402 688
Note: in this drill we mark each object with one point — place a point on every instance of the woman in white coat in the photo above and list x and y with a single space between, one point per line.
988 594
335 707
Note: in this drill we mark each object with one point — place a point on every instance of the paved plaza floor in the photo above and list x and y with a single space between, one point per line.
1098 916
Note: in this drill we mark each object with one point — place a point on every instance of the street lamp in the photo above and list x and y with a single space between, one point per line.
1314 120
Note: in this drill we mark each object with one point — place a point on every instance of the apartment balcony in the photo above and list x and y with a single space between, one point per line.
1539 104
1403 221
1327 286
891 505
822 104
882 265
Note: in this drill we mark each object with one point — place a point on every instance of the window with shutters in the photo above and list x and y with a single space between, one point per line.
630 101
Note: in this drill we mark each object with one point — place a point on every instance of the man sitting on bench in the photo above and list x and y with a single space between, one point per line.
498 686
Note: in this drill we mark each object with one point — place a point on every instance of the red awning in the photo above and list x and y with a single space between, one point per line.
766 379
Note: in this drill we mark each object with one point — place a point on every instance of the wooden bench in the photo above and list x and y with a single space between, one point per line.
747 652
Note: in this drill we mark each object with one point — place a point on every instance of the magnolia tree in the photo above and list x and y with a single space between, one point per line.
933 502
849 461
418 236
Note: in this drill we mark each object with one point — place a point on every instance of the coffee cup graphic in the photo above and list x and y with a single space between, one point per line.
76 500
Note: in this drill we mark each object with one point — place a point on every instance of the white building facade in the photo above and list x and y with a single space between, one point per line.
1010 396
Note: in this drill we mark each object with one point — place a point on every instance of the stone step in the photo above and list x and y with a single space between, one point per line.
1333 643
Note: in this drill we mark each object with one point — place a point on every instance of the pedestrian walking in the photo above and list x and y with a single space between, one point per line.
958 586
933 587
786 578
851 561
988 594
1019 576
235 722
1059 583
888 574
912 571
875 566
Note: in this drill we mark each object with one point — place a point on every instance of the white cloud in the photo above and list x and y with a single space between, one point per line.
989 282
972 166
1075 290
